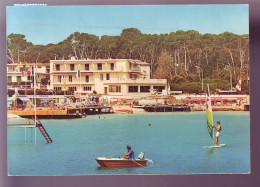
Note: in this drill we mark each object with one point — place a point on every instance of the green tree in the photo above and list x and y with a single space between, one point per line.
164 67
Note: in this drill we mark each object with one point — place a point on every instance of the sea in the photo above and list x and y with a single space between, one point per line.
174 143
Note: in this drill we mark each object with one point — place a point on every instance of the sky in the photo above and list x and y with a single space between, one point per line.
52 24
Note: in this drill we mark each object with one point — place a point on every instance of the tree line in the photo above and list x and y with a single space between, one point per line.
181 57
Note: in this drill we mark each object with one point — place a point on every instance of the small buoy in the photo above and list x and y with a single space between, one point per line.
149 124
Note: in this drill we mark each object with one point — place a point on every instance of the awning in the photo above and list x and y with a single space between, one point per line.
25 99
47 99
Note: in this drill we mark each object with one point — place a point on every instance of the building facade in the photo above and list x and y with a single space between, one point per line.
106 76
18 73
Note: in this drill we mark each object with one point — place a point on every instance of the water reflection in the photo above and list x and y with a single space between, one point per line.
124 169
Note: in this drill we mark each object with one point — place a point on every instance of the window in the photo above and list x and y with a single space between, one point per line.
133 76
114 88
73 88
132 88
108 76
112 66
59 78
70 78
145 89
87 88
18 78
99 66
57 88
9 79
87 78
159 88
29 78
101 77
72 67
87 67
57 67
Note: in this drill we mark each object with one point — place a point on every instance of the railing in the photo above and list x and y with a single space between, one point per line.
105 68
134 69
73 82
14 71
91 69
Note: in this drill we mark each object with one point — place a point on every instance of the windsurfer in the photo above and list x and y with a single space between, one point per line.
130 154
218 128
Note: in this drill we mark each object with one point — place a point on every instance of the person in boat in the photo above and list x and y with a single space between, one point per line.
130 154
218 128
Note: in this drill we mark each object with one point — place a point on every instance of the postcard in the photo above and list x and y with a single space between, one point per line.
128 89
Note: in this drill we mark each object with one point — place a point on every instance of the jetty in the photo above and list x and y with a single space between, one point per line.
167 108
91 110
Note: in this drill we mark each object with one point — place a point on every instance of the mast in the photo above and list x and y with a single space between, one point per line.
34 87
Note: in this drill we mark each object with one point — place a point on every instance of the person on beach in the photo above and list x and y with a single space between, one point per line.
218 128
130 154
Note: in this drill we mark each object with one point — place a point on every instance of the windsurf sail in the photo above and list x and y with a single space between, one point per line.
209 114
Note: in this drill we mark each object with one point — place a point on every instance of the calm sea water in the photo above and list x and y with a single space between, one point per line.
175 142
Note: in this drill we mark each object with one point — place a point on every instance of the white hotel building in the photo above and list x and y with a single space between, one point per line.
15 74
105 76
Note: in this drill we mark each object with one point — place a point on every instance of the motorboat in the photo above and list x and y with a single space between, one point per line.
122 162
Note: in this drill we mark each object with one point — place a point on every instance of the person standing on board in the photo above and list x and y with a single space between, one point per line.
130 154
218 128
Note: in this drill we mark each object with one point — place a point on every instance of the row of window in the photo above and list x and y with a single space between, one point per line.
19 78
72 67
87 77
117 88
86 88
133 89
142 89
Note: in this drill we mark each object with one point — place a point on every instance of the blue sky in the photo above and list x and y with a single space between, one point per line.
52 24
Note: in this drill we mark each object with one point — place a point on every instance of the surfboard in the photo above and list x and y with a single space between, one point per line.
213 146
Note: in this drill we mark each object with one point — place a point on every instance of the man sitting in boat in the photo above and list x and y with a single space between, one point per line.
218 128
130 154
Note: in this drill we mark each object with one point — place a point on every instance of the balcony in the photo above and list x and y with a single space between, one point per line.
107 69
14 71
135 69
41 70
73 82
91 69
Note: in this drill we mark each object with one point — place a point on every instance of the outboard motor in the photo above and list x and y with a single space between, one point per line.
141 156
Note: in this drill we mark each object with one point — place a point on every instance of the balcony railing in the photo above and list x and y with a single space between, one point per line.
91 69
134 69
14 71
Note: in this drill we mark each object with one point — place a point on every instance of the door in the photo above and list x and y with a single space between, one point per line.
105 88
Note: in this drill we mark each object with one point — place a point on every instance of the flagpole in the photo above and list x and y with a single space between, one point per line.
26 79
79 74
34 82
